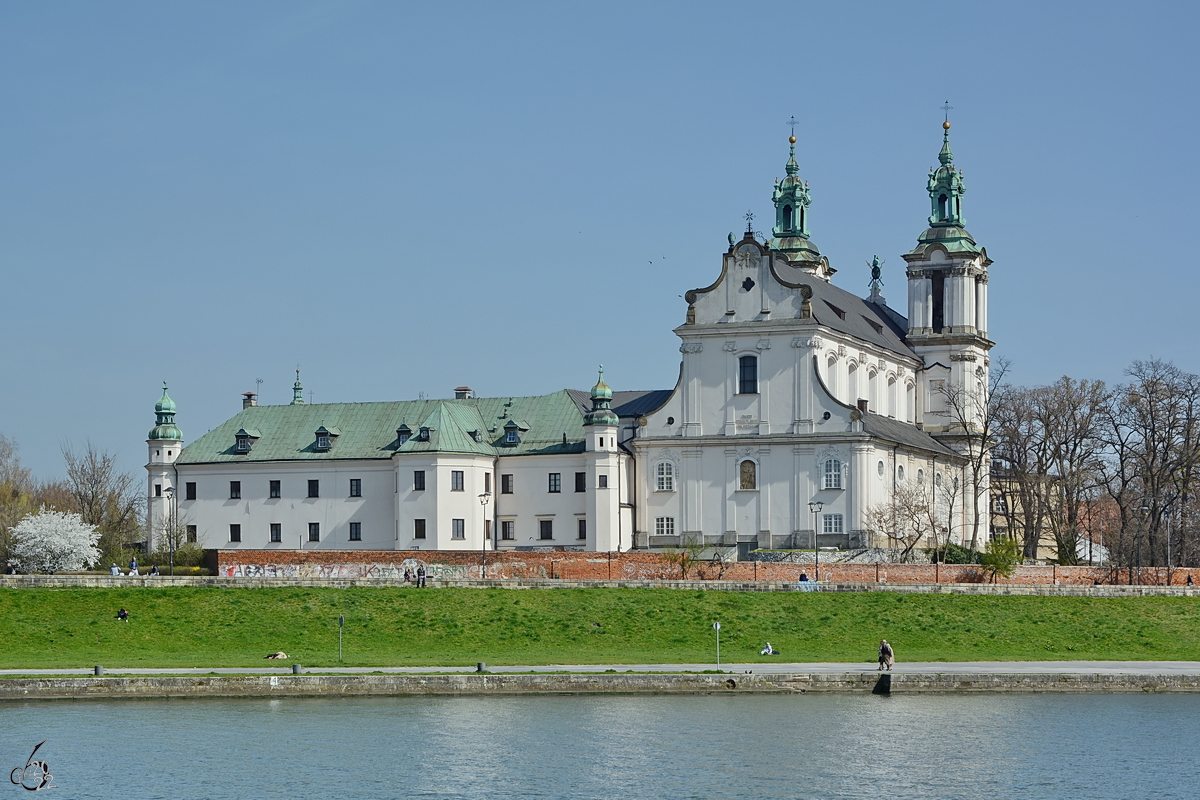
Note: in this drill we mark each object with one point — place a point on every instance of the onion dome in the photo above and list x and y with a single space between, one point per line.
601 413
164 414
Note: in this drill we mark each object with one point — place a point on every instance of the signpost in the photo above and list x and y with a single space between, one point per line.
717 628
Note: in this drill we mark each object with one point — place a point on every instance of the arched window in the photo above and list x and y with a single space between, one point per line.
852 382
748 375
900 473
893 410
664 477
831 374
920 476
801 218
943 207
873 391
787 218
748 475
833 474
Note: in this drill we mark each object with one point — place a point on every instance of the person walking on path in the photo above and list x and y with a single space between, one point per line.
421 575
887 657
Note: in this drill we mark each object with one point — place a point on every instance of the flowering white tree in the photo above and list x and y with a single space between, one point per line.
53 541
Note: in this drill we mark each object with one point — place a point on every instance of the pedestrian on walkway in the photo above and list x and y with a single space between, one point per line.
887 657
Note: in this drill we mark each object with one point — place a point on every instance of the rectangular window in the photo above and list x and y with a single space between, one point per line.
355 487
235 533
508 530
418 529
602 481
191 534
833 523
833 474
458 529
235 490
314 488
356 531
555 482
748 375
314 531
664 526
487 482
276 532
419 480
275 492
456 480
546 528
158 490
189 491
664 477
583 529
581 481
506 484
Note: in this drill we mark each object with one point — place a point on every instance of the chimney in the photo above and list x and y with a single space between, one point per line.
249 399
862 405
462 393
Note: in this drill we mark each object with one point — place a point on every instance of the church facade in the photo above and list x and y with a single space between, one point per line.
801 413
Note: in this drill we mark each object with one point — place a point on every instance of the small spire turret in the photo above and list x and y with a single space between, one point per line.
791 199
297 391
601 413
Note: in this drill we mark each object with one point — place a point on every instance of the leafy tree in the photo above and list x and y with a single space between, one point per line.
53 541
1001 558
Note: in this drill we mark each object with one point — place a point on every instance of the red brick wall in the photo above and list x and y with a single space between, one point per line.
634 566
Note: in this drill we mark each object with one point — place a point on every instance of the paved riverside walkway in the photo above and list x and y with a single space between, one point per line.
772 668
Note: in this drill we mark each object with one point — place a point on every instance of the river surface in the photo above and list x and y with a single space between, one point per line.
1024 747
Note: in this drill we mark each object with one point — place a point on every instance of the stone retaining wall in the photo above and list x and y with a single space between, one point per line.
639 566
1088 590
726 683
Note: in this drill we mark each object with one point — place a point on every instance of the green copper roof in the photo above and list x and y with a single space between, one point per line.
368 430
297 391
791 201
946 188
164 420
601 413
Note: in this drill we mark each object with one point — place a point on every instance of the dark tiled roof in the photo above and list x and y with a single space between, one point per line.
903 433
625 404
859 318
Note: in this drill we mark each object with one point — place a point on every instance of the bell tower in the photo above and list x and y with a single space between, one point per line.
164 443
947 305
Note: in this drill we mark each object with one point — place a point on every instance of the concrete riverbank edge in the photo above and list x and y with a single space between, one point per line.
163 582
865 682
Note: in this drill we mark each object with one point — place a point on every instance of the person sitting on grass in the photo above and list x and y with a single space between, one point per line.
768 651
280 654
123 615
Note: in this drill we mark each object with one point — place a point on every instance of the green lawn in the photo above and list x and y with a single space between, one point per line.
396 627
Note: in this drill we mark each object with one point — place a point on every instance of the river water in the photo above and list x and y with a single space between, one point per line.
1024 747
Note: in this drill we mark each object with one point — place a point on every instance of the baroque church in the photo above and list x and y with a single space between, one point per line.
800 411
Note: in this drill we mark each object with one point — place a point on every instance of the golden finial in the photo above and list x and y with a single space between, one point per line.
792 139
946 125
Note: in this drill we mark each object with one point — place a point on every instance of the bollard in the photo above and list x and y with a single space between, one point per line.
295 669
99 670
481 667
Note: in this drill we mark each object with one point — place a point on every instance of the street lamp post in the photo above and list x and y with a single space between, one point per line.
484 499
171 526
815 507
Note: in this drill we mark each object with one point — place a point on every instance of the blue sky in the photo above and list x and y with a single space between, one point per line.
404 198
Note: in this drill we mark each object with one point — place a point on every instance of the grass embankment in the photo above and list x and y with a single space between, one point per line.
186 627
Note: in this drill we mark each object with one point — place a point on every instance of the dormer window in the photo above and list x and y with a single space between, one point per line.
325 438
244 441
423 435
477 436
510 436
403 434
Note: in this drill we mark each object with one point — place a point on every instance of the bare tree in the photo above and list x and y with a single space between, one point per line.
104 497
905 520
970 412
